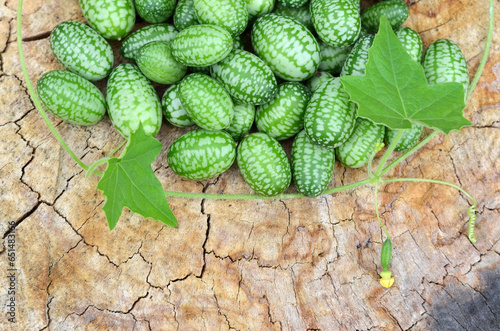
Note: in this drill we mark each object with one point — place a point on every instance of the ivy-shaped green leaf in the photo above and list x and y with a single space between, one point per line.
394 92
129 181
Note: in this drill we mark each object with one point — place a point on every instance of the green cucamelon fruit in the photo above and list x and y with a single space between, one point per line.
113 19
356 151
319 78
147 34
206 101
409 138
238 43
287 46
396 12
155 11
243 119
312 166
246 77
263 164
157 63
411 41
184 14
330 116
258 8
201 45
300 14
231 15
172 108
355 63
283 116
132 99
292 3
333 58
79 49
337 22
71 97
444 62
385 254
201 154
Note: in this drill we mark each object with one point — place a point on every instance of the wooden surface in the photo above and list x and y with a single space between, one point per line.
283 264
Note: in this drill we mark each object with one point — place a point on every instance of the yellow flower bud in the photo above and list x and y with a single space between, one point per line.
386 280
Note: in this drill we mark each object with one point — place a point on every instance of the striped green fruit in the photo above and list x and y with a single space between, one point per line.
300 14
408 139
356 151
396 11
258 8
332 58
312 166
150 33
155 11
444 62
238 43
319 78
231 15
411 42
246 77
330 116
201 45
113 19
206 101
355 63
243 118
157 63
293 3
71 97
337 22
286 46
132 99
283 117
172 108
81 50
263 164
184 14
201 154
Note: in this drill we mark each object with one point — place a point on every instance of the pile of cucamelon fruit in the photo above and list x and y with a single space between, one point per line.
286 83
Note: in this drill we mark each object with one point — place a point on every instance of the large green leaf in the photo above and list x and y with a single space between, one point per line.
394 92
129 181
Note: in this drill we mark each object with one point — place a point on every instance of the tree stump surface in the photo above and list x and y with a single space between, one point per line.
247 265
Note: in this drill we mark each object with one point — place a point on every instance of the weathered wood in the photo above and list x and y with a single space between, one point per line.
290 264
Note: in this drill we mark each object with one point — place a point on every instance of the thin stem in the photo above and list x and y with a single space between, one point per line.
262 197
375 193
489 37
388 152
434 181
408 153
34 95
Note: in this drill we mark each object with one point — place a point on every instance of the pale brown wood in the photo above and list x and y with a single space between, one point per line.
291 264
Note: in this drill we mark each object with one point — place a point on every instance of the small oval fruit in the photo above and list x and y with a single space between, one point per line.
150 33
206 101
201 45
263 164
333 58
355 63
201 154
132 99
287 46
312 166
155 11
246 77
258 8
79 49
172 108
300 14
411 41
231 15
409 138
330 116
71 97
157 63
283 117
319 78
396 12
337 22
184 15
244 116
113 19
356 151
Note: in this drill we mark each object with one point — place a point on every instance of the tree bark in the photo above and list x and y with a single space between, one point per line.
261 264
